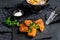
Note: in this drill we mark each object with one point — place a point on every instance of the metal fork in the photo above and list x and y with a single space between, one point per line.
53 14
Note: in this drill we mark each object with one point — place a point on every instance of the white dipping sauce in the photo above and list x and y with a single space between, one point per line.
18 14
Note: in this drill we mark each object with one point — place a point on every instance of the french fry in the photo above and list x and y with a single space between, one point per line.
33 2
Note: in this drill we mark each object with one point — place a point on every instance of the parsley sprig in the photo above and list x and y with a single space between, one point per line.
33 25
11 23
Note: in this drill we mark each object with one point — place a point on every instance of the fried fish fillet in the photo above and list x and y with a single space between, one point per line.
33 33
41 24
27 22
23 28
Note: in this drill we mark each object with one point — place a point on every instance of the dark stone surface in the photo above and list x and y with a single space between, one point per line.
5 36
51 30
3 15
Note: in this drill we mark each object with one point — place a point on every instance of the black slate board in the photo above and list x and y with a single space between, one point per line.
48 32
5 36
3 15
51 29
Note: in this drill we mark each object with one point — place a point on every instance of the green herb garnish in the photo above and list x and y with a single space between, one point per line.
11 23
30 29
33 25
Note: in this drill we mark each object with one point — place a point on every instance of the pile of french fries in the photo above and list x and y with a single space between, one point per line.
33 2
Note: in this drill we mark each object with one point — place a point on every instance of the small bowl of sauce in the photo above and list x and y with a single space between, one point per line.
17 13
